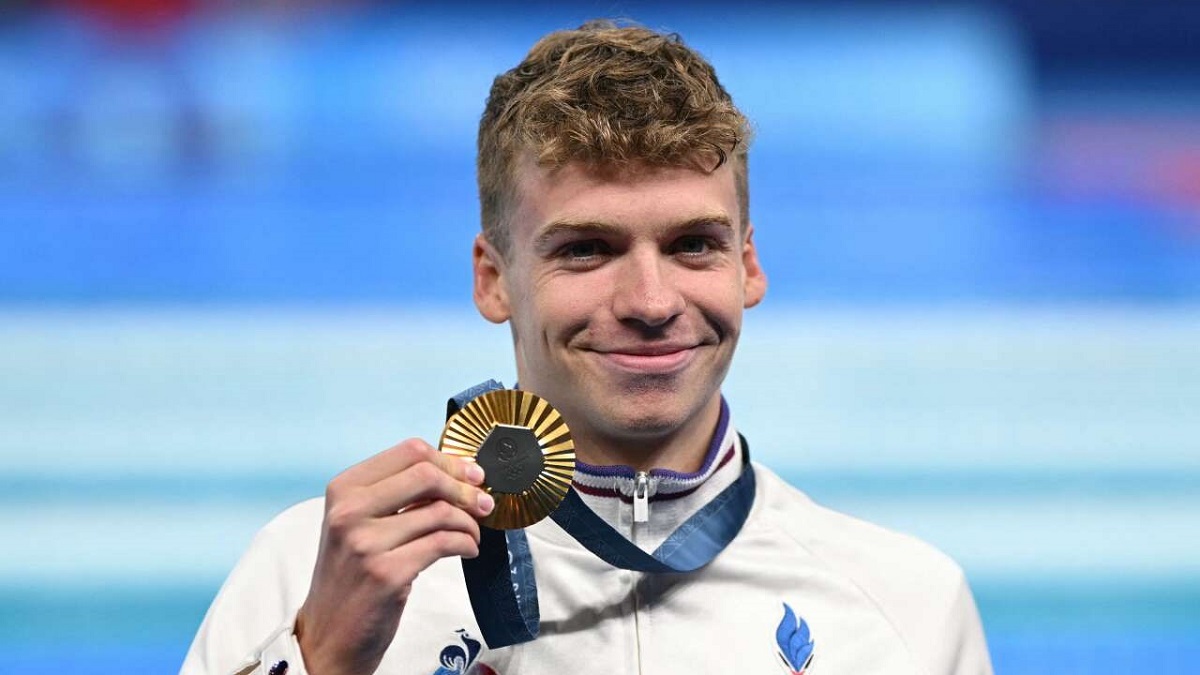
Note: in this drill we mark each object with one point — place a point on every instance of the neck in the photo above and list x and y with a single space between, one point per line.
682 451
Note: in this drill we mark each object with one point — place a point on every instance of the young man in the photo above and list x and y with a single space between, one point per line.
616 244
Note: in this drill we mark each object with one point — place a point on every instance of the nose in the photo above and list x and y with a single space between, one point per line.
646 291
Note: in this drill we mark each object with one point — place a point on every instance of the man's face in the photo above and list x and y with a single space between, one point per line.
624 293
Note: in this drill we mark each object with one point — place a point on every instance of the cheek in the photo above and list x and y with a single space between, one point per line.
719 298
568 302
547 317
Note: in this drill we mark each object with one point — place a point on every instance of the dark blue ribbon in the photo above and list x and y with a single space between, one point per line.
501 583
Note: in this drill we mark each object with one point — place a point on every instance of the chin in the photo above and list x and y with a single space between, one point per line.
646 418
645 426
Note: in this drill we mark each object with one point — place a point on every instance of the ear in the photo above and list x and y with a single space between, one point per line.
754 284
491 298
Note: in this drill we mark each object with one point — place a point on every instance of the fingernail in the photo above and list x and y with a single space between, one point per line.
486 503
474 473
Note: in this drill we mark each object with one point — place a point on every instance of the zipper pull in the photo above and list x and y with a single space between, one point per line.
641 497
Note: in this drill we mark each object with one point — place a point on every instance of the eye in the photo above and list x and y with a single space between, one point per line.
693 245
584 254
583 250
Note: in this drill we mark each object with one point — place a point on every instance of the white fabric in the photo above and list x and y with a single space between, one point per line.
875 601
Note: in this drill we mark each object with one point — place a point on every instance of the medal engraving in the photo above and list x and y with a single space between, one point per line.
511 458
524 448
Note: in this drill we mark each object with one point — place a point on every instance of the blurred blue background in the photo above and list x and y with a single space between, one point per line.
234 260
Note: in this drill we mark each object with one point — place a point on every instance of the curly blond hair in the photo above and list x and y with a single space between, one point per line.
612 96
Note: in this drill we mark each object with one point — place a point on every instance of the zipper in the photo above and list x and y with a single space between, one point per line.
637 622
641 514
641 497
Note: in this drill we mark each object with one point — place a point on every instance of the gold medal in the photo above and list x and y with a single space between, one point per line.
525 449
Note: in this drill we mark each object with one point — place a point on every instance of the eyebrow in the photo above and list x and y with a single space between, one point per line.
588 227
574 228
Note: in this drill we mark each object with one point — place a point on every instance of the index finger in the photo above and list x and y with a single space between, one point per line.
404 455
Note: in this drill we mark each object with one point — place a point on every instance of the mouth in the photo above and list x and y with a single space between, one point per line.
649 359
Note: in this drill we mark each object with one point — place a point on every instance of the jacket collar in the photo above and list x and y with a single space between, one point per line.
673 496
617 481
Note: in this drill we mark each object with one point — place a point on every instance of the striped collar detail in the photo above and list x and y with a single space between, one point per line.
664 484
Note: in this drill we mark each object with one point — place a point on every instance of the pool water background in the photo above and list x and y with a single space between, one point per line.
1051 453
233 262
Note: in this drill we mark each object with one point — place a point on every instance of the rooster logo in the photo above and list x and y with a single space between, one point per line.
456 660
794 643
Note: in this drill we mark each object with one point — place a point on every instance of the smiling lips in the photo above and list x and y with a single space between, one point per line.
650 359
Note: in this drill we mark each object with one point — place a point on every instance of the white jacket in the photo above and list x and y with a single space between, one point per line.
875 602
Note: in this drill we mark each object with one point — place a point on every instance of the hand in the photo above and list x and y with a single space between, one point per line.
386 520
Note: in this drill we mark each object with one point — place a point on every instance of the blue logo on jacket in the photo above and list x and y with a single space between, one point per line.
795 645
455 659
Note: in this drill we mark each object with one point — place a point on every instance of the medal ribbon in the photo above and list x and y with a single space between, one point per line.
500 581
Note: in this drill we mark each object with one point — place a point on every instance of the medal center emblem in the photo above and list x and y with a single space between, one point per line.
511 458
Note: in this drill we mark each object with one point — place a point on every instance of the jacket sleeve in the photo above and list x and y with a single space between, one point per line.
965 650
248 627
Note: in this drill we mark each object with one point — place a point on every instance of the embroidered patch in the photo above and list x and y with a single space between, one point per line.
794 644
455 659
